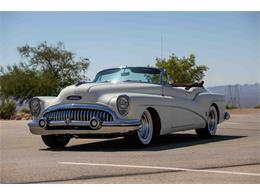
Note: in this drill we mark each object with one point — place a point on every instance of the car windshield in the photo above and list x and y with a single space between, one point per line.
129 74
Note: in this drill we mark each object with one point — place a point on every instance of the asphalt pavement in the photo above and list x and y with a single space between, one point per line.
232 156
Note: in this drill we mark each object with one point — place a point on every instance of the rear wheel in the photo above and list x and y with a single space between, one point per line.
212 123
56 141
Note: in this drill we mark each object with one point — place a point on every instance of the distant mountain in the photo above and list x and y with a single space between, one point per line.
247 95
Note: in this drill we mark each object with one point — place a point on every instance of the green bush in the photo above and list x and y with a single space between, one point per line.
258 106
7 109
25 110
230 107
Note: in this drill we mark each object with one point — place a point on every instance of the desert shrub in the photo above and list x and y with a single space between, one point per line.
7 108
230 107
25 110
182 70
44 71
257 107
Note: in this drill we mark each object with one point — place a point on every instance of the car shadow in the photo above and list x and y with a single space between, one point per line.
165 142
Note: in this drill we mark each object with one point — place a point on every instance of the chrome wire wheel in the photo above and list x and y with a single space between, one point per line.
145 133
212 121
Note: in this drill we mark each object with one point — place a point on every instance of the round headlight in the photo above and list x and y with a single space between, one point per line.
35 106
123 104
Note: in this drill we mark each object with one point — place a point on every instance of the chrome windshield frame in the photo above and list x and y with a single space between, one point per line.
162 72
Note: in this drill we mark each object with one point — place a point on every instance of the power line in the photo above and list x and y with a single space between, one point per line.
161 47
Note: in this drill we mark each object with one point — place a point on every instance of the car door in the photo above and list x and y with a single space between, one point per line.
182 109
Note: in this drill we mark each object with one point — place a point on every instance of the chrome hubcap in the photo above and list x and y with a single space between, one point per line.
212 121
146 129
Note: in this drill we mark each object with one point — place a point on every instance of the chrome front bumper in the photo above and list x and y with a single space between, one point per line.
76 122
82 127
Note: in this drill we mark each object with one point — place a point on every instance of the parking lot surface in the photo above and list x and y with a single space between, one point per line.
232 156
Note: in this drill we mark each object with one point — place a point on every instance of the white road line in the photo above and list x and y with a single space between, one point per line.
232 123
161 168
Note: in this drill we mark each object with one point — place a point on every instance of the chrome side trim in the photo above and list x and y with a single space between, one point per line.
183 108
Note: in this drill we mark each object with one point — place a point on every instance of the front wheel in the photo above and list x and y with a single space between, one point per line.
212 123
56 141
144 135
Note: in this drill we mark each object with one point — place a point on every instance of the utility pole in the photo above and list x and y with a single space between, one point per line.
233 95
161 47
237 96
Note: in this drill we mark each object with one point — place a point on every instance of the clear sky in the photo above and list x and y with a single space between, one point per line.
227 42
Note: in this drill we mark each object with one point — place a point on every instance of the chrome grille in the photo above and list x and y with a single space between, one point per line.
78 114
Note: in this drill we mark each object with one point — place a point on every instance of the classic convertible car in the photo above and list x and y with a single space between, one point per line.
127 101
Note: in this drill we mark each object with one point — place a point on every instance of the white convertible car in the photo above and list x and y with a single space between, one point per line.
136 101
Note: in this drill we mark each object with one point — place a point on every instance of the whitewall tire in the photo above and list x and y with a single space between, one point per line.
145 133
212 124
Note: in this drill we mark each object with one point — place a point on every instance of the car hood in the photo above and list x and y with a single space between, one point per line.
92 92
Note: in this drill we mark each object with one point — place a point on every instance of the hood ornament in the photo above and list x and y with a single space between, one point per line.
74 97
